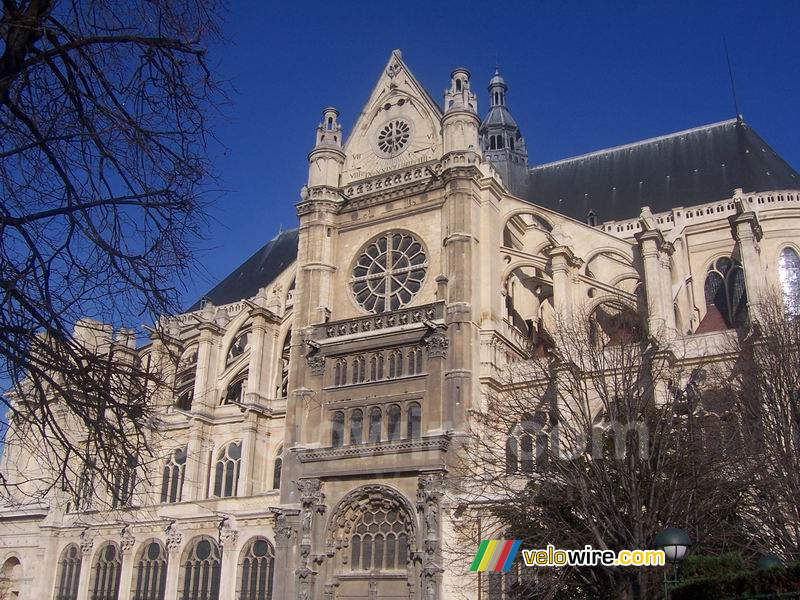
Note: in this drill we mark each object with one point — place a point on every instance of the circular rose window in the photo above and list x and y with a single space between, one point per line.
389 272
393 137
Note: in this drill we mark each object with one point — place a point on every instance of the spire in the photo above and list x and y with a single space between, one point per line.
501 138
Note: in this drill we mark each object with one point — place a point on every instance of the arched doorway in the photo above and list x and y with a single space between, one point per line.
11 579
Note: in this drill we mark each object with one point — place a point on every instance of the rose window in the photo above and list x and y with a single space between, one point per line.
394 137
389 272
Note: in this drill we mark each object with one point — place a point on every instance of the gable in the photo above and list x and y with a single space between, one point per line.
400 126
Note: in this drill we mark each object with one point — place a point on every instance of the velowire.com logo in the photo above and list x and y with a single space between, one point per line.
495 555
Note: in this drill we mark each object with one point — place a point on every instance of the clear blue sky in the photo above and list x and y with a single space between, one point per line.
582 76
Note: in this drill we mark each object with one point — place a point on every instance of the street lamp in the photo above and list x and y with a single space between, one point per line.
675 543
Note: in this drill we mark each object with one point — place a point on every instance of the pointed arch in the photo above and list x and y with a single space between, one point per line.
201 567
150 572
256 570
106 571
69 573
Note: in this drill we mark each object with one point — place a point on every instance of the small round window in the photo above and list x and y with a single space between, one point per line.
393 137
389 272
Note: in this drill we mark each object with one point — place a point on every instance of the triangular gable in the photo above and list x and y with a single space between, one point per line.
398 105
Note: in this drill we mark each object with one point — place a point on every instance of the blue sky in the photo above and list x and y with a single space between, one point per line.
582 76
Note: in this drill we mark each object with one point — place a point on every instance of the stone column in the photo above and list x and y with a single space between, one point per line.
429 495
285 552
747 232
84 582
434 415
564 266
229 541
248 429
659 302
126 546
173 547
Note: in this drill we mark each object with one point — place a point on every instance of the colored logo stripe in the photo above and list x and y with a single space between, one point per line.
495 555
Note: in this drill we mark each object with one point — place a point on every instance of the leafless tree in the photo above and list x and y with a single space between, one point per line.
599 441
765 382
104 109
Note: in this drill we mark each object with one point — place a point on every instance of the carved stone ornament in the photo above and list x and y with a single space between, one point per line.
310 491
126 540
87 541
393 69
174 537
437 345
228 535
316 364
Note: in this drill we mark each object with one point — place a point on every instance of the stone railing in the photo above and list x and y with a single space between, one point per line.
404 316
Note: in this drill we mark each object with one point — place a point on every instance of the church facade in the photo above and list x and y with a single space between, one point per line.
326 383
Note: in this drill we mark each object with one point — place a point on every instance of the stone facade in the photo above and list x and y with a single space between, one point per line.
313 424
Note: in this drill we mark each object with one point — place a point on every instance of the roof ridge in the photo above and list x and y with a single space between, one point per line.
634 144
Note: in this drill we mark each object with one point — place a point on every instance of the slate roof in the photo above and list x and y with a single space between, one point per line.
256 272
687 168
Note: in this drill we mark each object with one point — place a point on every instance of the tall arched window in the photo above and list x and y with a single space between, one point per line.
526 445
512 455
359 369
415 361
375 425
337 429
256 568
376 367
285 352
106 573
340 372
725 290
789 275
69 573
393 427
173 476
414 421
226 470
124 483
240 345
200 571
395 364
184 380
150 576
356 426
236 390
276 470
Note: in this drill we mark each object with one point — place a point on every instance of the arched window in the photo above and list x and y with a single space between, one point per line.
276 471
512 455
789 275
200 571
239 346
395 364
337 429
393 429
375 425
380 540
150 576
414 421
340 372
184 380
376 367
173 476
285 352
415 361
237 388
69 573
725 290
105 573
124 483
492 143
256 568
11 578
356 426
359 369
511 142
526 444
226 470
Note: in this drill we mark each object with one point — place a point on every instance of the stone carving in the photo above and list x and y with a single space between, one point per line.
126 540
228 534
87 541
316 364
437 345
429 494
174 537
393 69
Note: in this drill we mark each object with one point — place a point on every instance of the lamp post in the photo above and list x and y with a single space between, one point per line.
675 543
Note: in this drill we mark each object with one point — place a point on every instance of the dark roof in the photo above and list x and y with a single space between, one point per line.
682 169
256 272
